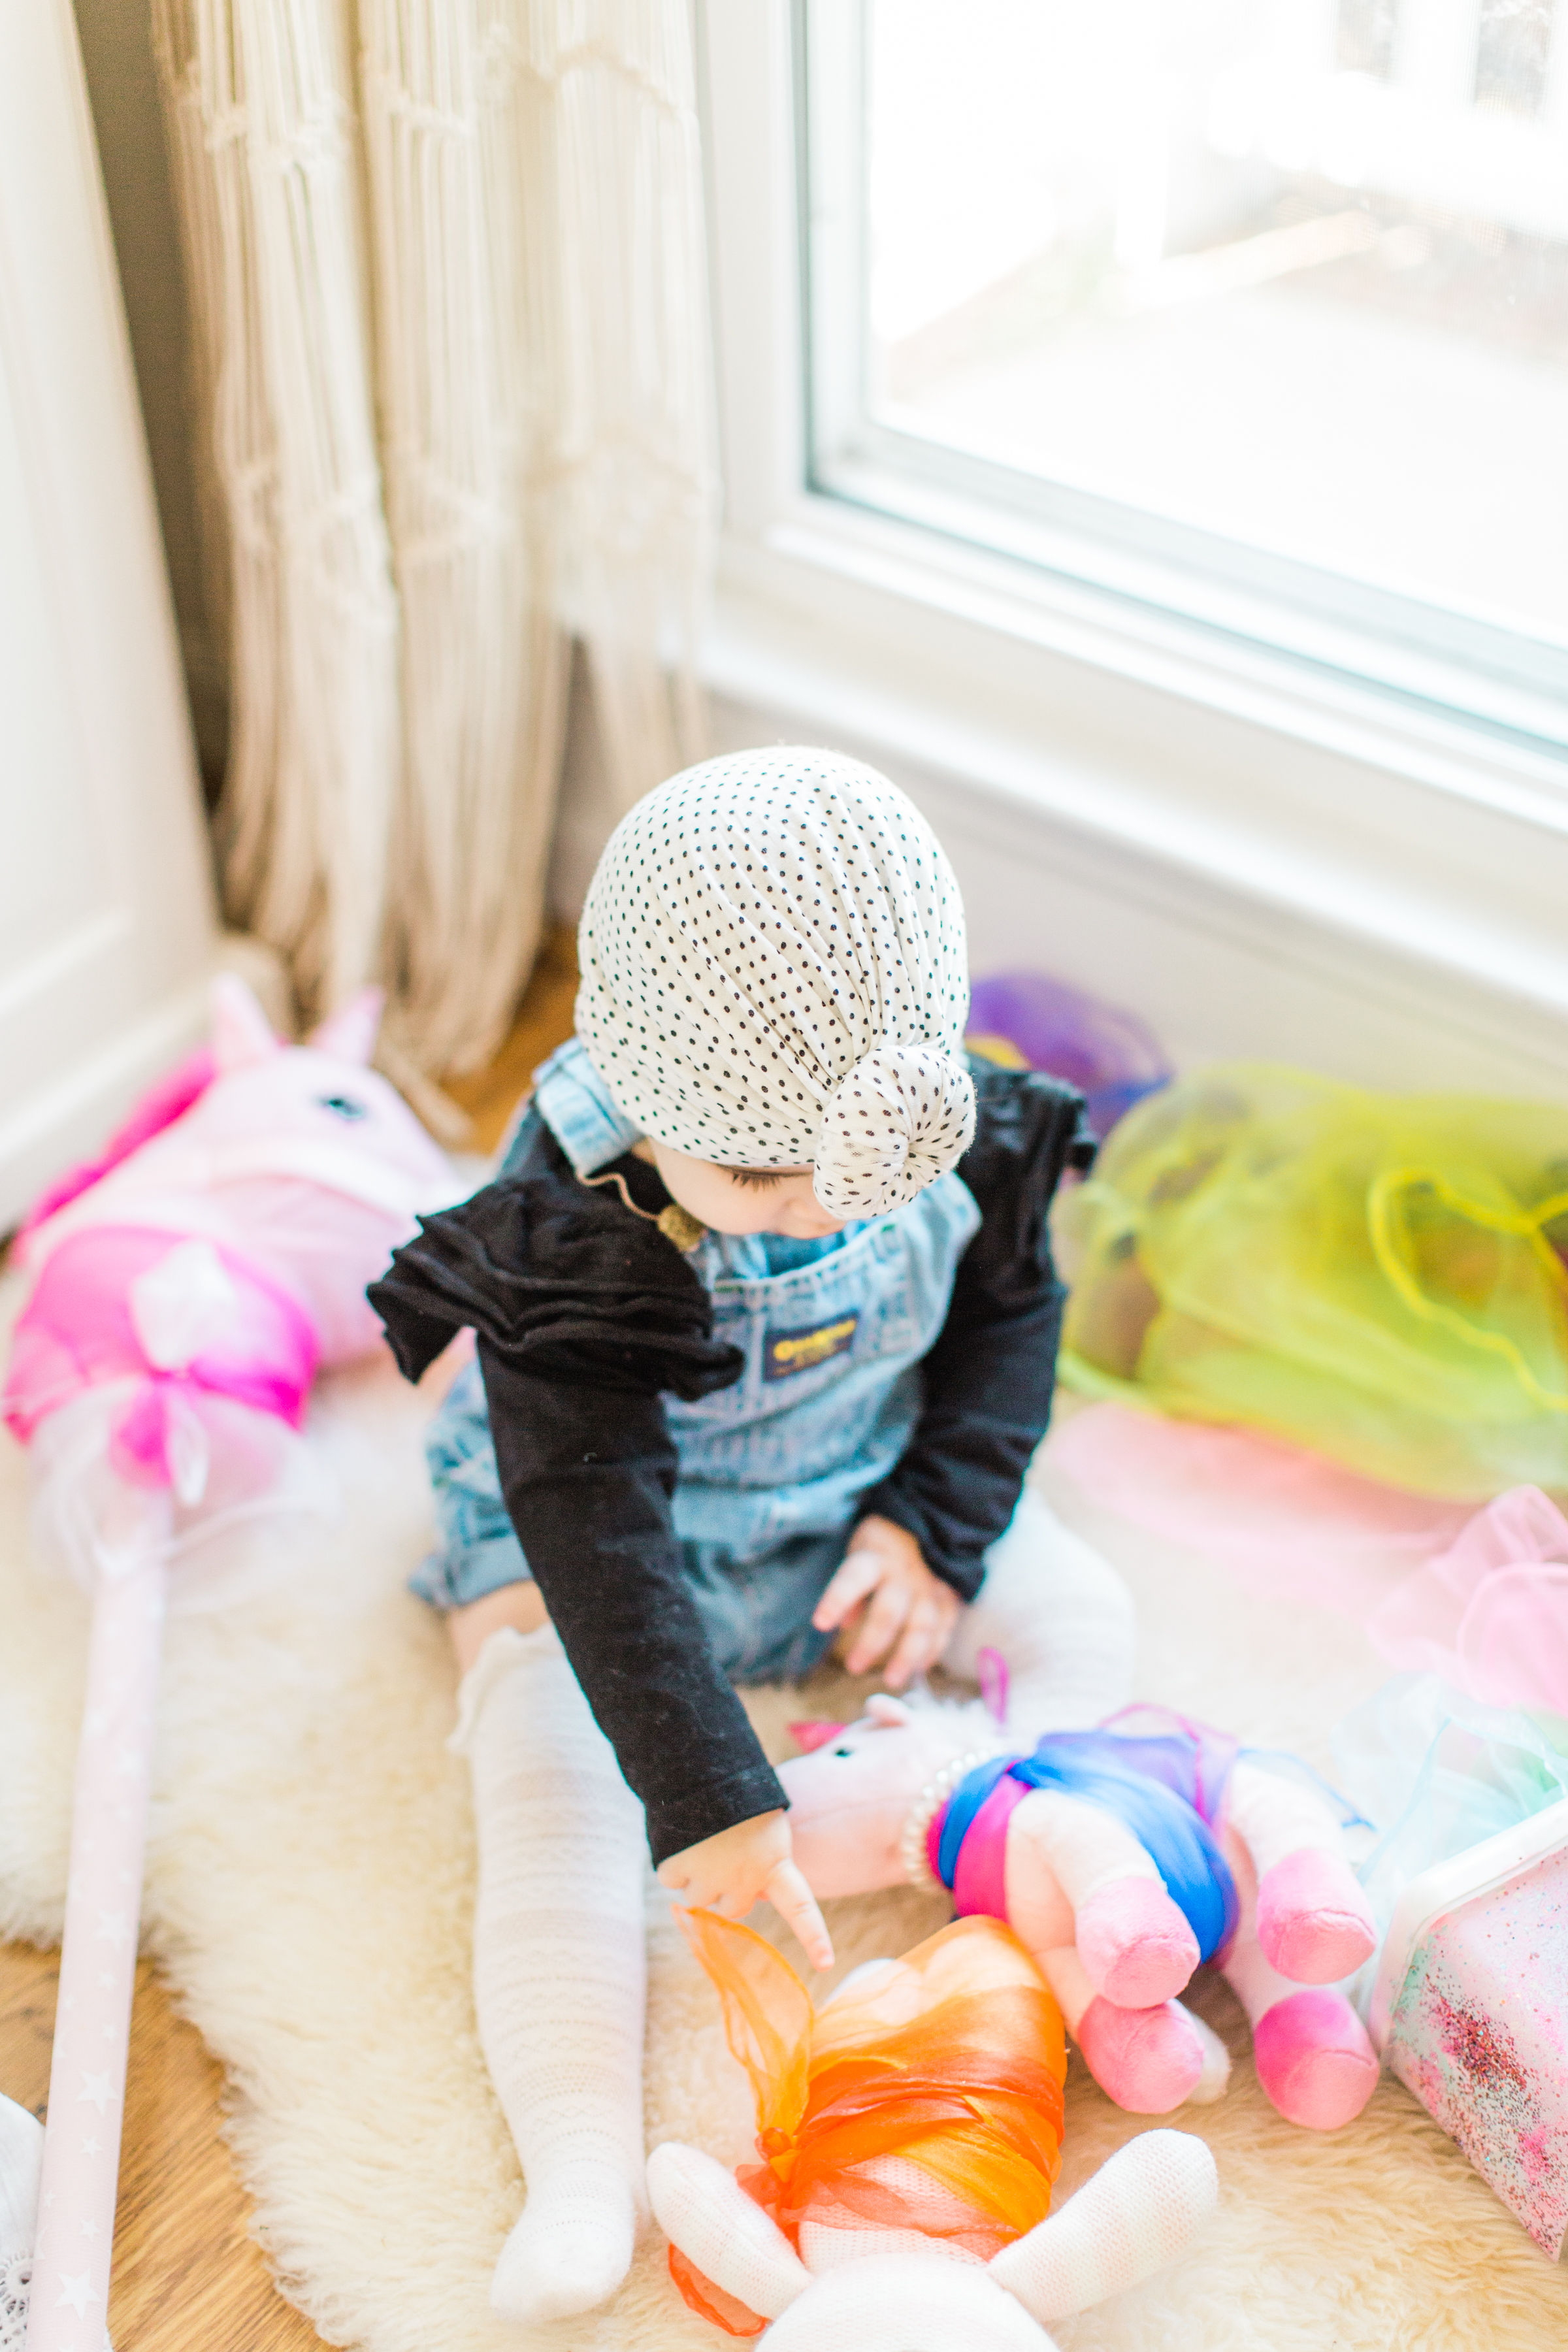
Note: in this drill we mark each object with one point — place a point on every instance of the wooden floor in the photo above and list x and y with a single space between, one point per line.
187 2277
543 1022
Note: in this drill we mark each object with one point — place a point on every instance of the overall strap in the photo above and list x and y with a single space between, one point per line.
580 1111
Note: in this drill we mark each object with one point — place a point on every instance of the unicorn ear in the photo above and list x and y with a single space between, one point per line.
807 1735
351 1032
991 1668
242 1035
889 1712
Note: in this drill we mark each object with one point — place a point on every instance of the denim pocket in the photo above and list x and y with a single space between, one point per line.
826 1349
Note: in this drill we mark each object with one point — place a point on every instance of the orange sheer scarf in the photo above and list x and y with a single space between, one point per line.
952 2059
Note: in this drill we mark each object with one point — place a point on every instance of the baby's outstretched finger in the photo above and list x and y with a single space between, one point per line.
920 1647
883 1622
851 1581
797 1905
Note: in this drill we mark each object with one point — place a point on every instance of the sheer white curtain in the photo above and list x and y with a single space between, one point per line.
447 262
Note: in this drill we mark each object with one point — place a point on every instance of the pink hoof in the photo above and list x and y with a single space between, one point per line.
1313 2059
1313 1923
1147 2060
1136 1946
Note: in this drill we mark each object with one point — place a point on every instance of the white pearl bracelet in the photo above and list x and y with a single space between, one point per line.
937 1789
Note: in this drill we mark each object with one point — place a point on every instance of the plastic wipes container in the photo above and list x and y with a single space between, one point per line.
1469 2009
1467 2001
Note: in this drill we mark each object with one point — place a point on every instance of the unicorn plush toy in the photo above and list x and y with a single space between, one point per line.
909 2132
183 1292
1122 1855
1124 1846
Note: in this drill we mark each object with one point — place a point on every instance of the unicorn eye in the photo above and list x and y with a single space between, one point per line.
343 1105
843 1752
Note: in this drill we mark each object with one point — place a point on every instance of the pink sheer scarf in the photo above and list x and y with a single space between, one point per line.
1479 1597
1491 1613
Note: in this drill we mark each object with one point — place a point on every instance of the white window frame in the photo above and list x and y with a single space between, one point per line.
1469 665
1399 829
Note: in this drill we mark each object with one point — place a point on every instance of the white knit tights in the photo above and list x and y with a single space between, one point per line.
558 1970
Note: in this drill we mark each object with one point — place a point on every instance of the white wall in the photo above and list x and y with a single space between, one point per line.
106 917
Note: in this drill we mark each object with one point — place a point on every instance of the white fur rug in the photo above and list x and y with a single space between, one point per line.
309 1894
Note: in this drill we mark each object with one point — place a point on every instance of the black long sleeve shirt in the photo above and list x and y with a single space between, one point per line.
586 1315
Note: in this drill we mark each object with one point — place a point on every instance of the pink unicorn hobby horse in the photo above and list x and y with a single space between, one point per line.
183 1292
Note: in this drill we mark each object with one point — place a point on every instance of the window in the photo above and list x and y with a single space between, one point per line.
1254 311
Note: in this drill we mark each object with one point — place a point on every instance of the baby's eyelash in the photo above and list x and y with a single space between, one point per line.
760 1177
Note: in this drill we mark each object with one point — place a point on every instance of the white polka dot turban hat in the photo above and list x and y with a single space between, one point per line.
775 973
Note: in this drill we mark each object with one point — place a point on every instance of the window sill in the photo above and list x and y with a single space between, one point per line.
1260 852
831 544
1217 767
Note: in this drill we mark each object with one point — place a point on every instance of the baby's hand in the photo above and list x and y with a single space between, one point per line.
885 1574
734 1869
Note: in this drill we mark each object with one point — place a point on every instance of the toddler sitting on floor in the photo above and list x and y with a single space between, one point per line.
766 1330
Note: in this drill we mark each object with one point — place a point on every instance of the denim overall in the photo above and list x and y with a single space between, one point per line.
771 1469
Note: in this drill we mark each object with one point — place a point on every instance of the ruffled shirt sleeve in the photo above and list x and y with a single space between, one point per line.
989 1378
584 1314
